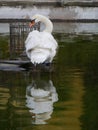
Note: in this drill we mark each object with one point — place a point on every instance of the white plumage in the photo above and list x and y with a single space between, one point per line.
41 46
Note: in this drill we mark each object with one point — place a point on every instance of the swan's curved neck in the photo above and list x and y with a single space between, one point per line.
48 24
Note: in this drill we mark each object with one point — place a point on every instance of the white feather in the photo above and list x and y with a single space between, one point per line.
41 46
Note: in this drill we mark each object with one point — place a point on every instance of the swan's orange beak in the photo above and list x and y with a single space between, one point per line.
32 23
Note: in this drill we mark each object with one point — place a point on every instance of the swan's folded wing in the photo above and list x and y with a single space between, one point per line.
32 40
40 46
48 41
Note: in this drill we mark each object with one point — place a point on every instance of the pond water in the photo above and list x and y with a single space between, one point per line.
61 96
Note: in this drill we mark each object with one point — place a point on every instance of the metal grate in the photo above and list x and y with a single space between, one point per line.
18 34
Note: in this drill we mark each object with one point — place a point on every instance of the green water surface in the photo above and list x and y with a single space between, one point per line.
72 103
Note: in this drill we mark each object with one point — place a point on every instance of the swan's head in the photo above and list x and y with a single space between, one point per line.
40 18
35 19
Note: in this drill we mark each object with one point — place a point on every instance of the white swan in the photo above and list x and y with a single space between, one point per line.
41 46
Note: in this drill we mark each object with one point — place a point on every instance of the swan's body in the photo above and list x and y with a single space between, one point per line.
41 46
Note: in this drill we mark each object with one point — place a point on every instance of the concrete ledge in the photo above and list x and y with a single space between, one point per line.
74 13
70 18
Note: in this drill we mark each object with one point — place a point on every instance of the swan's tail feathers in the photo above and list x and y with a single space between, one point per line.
38 58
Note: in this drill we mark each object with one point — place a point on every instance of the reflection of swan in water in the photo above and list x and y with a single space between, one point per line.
40 98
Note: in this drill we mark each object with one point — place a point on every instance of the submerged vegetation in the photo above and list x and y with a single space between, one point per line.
4 47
